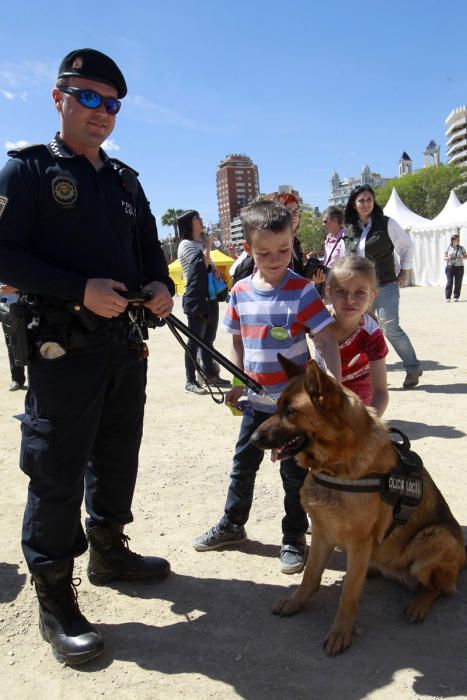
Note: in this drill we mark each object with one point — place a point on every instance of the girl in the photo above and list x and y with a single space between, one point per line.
351 288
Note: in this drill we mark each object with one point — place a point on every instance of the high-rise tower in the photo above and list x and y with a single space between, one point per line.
237 185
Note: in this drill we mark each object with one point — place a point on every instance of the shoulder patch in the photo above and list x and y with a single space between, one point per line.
25 149
120 164
3 203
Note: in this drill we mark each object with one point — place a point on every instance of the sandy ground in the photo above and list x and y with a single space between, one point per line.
207 632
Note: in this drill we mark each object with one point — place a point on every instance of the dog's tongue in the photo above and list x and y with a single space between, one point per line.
275 454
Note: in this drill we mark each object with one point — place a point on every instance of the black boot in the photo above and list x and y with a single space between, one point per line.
111 559
72 638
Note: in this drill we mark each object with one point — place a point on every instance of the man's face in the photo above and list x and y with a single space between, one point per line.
81 126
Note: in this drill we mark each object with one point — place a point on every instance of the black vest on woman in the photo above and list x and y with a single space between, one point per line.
378 247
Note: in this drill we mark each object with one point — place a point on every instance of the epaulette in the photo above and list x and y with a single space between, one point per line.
25 149
118 164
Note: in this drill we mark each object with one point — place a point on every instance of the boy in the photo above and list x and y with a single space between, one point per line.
269 312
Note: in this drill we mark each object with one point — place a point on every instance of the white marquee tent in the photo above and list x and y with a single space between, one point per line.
405 217
430 237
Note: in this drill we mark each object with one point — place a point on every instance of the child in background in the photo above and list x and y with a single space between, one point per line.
269 312
351 287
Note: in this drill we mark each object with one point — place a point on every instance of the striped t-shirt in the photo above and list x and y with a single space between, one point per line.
187 252
294 307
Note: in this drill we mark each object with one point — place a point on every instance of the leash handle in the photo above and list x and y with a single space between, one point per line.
173 321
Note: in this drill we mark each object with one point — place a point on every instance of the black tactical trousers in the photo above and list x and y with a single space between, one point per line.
81 432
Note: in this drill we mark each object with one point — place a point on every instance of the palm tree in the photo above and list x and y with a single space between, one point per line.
170 219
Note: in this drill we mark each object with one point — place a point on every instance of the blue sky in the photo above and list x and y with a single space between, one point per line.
302 88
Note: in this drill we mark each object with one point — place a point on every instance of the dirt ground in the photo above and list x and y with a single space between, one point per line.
207 631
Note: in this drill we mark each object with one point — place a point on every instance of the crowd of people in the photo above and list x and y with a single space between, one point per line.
87 300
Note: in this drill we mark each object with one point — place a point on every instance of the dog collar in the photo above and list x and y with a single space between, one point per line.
366 485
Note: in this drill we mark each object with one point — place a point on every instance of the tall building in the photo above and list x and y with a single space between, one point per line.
340 189
237 185
456 134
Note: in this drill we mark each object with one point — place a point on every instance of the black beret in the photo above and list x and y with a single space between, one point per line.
94 65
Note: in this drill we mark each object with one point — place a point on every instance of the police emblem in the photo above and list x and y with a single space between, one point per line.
64 191
77 63
3 203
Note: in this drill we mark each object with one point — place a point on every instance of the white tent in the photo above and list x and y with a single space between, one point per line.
405 217
430 237
450 206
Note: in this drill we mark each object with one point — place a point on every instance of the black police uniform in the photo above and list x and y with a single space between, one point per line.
61 223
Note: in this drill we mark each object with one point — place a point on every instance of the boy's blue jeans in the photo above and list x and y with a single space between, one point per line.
246 462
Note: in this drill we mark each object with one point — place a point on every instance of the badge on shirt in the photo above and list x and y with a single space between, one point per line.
64 191
279 333
3 203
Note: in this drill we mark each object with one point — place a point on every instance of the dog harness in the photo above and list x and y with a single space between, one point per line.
401 488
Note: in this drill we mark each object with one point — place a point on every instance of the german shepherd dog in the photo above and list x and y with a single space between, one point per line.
330 431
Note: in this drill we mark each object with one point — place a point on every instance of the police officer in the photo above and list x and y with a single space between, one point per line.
76 231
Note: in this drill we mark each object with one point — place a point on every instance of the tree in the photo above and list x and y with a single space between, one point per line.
426 191
311 232
170 219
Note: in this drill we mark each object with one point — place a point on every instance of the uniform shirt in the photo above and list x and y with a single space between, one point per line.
365 345
294 306
63 223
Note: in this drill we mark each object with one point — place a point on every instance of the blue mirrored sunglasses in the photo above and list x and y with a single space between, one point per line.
92 100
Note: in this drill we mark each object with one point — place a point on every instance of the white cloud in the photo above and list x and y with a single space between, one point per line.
157 114
110 145
9 145
8 95
18 75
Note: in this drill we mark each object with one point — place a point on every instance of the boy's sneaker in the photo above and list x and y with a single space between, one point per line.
219 536
292 557
194 388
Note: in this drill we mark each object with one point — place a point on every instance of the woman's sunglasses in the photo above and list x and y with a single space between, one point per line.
92 100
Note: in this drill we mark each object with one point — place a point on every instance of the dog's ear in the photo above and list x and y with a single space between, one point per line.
290 368
323 390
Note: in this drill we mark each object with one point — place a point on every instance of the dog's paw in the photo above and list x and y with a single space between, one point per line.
416 611
338 640
286 607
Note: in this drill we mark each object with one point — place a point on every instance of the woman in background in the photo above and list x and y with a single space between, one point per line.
454 256
373 235
202 312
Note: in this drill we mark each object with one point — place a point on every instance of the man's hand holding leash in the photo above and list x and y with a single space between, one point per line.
161 303
102 298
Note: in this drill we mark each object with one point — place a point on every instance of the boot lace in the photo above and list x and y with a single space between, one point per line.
65 595
124 539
